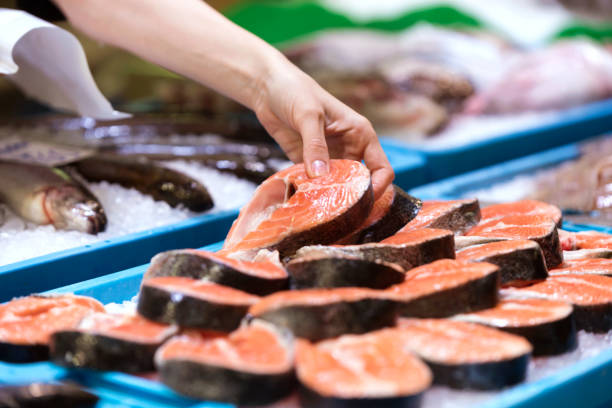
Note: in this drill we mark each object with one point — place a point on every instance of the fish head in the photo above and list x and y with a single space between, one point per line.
71 208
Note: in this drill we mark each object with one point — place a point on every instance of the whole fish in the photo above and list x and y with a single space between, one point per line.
147 177
46 195
247 167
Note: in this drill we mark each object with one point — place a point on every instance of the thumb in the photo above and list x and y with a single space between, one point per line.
315 152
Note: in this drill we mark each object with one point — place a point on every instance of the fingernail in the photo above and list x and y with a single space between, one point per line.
319 168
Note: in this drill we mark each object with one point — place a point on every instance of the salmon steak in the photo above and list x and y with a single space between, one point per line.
253 365
260 277
518 260
467 355
335 270
290 210
457 215
368 370
317 314
522 207
603 253
463 242
591 296
585 240
446 287
394 209
596 266
26 323
113 342
407 249
193 303
539 228
547 324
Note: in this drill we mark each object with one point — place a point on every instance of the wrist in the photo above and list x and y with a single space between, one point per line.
269 66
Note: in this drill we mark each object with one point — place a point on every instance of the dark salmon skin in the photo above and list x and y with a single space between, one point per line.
253 365
317 314
26 323
518 260
591 296
467 355
548 325
290 210
193 303
407 249
446 287
394 209
110 342
257 277
457 216
539 228
522 207
335 270
388 374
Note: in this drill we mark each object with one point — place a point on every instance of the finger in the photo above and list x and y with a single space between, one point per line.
291 143
380 168
374 157
314 146
361 129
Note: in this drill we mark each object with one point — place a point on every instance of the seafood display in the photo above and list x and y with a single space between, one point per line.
357 324
134 175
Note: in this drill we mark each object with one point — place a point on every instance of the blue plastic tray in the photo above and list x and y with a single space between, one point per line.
591 376
573 125
409 167
101 258
112 255
458 186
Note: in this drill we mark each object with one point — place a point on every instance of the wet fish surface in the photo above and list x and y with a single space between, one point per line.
46 195
147 177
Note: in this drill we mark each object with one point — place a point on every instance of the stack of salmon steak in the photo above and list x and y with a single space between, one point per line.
323 292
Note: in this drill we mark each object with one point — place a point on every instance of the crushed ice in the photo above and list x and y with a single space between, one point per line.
128 211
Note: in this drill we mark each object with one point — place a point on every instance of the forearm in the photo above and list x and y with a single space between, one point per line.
185 36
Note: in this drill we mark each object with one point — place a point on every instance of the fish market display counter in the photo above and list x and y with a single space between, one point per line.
106 254
551 381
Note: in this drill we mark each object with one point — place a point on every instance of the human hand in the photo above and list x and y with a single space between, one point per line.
311 125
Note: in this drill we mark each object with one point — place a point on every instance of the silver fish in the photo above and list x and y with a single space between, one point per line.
45 195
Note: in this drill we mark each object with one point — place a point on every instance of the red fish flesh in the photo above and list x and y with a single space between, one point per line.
290 210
